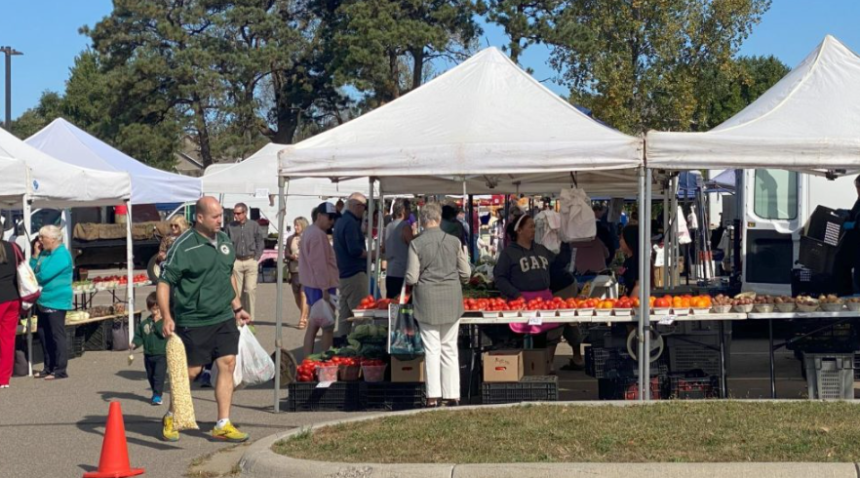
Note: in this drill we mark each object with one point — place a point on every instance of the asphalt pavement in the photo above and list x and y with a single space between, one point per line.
55 428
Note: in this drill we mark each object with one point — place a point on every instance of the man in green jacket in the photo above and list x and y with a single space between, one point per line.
198 301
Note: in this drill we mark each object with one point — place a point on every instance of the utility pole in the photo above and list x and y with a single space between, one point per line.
10 52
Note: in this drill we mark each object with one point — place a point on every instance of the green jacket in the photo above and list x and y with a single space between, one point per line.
200 276
54 273
148 333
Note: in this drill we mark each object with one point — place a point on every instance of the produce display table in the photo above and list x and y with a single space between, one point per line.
83 299
475 319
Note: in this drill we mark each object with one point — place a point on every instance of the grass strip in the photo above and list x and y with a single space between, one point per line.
706 431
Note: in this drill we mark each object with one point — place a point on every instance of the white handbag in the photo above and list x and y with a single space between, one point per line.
28 287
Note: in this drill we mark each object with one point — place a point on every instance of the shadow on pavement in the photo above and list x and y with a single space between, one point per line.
88 468
111 396
134 424
136 375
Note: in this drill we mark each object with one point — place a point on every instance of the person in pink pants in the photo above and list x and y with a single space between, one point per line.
10 308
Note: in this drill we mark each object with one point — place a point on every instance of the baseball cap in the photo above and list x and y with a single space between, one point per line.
328 208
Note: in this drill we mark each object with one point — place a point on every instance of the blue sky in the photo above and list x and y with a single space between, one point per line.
47 32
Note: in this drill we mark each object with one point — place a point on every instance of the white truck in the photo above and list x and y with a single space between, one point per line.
774 206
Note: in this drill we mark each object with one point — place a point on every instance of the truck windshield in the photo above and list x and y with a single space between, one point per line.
775 194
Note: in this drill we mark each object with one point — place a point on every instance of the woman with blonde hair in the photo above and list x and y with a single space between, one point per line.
53 266
292 259
178 225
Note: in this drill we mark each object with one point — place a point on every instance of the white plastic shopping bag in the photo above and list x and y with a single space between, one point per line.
322 313
577 216
255 363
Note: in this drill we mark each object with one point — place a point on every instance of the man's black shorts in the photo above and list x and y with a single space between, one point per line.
203 345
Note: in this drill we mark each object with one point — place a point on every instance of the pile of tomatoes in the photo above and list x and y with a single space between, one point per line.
621 303
306 371
369 303
556 303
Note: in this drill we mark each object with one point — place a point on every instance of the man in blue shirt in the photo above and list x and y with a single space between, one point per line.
351 253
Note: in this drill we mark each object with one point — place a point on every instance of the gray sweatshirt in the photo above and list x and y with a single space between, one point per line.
523 270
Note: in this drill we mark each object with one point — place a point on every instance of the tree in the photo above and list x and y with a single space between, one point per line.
732 88
36 118
644 64
384 46
526 22
159 55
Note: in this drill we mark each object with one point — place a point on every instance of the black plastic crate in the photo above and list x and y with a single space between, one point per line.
840 338
825 225
697 352
529 389
815 255
339 396
857 365
97 336
601 362
74 341
692 386
627 388
393 396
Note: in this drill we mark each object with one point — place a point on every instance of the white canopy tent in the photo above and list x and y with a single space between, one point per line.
486 127
52 183
258 173
56 184
254 180
809 120
72 145
485 120
14 182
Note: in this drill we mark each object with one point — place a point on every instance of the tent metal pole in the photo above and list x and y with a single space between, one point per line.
675 233
666 236
645 286
473 234
379 233
643 299
129 257
369 247
279 301
28 253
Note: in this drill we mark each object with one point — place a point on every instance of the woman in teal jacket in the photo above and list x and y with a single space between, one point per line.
53 266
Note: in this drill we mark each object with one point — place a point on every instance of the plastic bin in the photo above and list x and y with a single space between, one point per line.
349 373
699 351
373 373
830 376
529 389
692 386
393 396
327 374
339 396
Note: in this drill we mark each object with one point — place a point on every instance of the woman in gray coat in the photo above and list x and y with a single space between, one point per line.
436 267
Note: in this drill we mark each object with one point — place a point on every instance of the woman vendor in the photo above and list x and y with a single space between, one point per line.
523 270
630 273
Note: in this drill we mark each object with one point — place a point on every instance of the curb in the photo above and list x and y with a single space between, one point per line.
259 461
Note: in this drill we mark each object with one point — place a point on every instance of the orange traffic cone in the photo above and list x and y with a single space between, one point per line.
114 460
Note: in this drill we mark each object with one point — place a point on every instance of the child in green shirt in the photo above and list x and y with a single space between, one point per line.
148 334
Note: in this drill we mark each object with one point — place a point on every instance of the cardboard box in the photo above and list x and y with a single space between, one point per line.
503 366
407 371
536 362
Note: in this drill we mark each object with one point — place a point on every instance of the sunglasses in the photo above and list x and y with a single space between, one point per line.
238 213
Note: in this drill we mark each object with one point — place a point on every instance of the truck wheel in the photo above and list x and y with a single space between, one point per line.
153 269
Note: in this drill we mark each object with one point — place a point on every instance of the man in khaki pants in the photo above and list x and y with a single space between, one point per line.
247 238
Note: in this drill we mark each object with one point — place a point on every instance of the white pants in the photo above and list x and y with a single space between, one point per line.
441 364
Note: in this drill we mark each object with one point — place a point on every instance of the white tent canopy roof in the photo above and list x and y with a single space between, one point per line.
260 172
809 120
484 117
149 185
54 183
14 179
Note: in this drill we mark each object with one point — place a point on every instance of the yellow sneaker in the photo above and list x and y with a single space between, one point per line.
229 433
168 433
